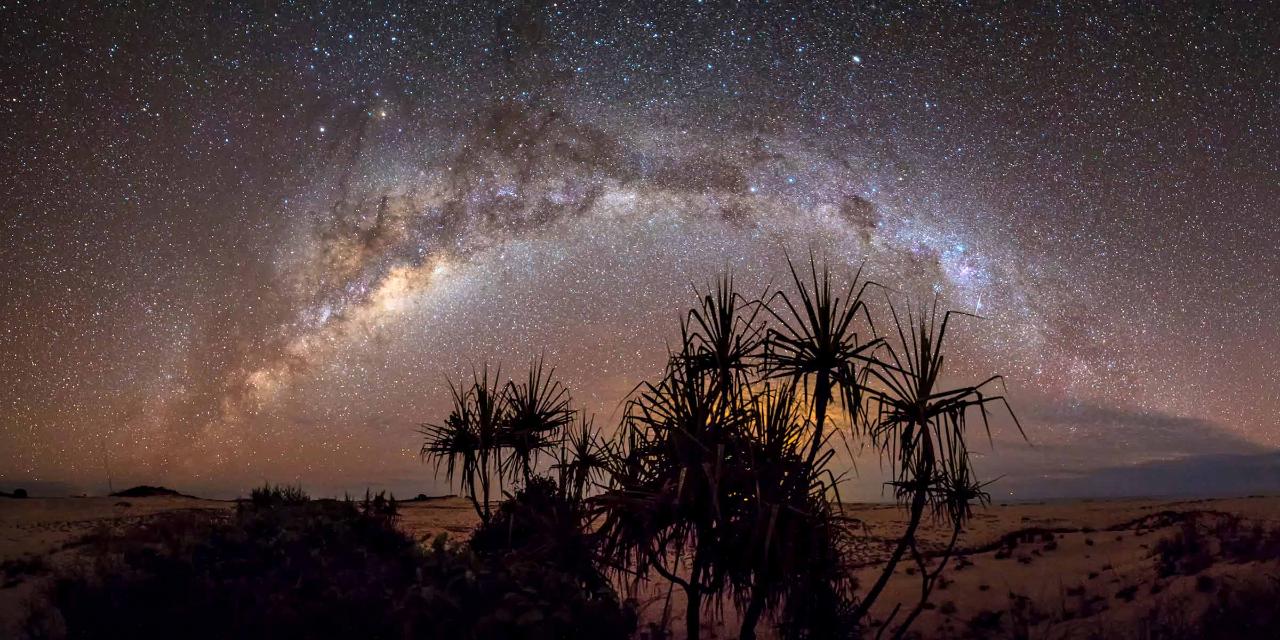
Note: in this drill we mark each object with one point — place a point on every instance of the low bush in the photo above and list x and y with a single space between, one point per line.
283 566
540 523
1244 612
1201 541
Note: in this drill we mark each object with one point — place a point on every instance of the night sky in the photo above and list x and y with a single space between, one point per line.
247 244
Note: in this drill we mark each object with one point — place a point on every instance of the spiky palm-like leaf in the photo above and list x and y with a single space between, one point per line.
723 335
585 459
537 411
818 343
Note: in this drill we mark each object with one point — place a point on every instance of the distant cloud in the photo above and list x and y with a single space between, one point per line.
1146 432
1084 450
1076 449
1193 476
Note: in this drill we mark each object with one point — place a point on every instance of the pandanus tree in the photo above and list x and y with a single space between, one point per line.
722 337
467 441
668 510
716 490
677 494
920 426
727 457
792 533
495 431
584 459
537 413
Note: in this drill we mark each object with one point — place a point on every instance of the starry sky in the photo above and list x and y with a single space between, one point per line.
252 242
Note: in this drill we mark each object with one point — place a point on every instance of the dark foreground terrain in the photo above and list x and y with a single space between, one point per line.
169 566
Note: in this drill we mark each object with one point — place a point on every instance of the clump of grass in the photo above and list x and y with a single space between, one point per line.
1203 539
15 570
269 495
1244 612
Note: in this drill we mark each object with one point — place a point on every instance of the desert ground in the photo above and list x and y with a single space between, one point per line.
1061 566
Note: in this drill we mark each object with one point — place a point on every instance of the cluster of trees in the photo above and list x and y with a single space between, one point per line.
720 478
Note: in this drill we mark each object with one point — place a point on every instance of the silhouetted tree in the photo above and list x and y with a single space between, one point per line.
920 427
669 510
719 478
537 412
468 440
793 534
584 459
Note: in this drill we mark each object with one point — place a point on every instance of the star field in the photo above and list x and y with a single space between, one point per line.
245 243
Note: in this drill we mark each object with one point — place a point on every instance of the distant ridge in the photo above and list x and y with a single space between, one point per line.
148 491
422 497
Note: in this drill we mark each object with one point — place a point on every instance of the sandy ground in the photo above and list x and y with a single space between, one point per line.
45 530
1072 568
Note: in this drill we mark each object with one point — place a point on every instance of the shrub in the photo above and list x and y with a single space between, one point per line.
1186 552
1246 612
466 595
986 621
1198 544
15 570
282 566
540 523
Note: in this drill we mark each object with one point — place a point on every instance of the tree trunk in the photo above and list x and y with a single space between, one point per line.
751 617
918 503
926 585
821 396
917 510
693 597
693 611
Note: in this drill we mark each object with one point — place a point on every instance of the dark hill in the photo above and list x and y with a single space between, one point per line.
422 497
148 491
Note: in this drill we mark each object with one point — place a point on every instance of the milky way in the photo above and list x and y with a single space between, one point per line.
253 244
